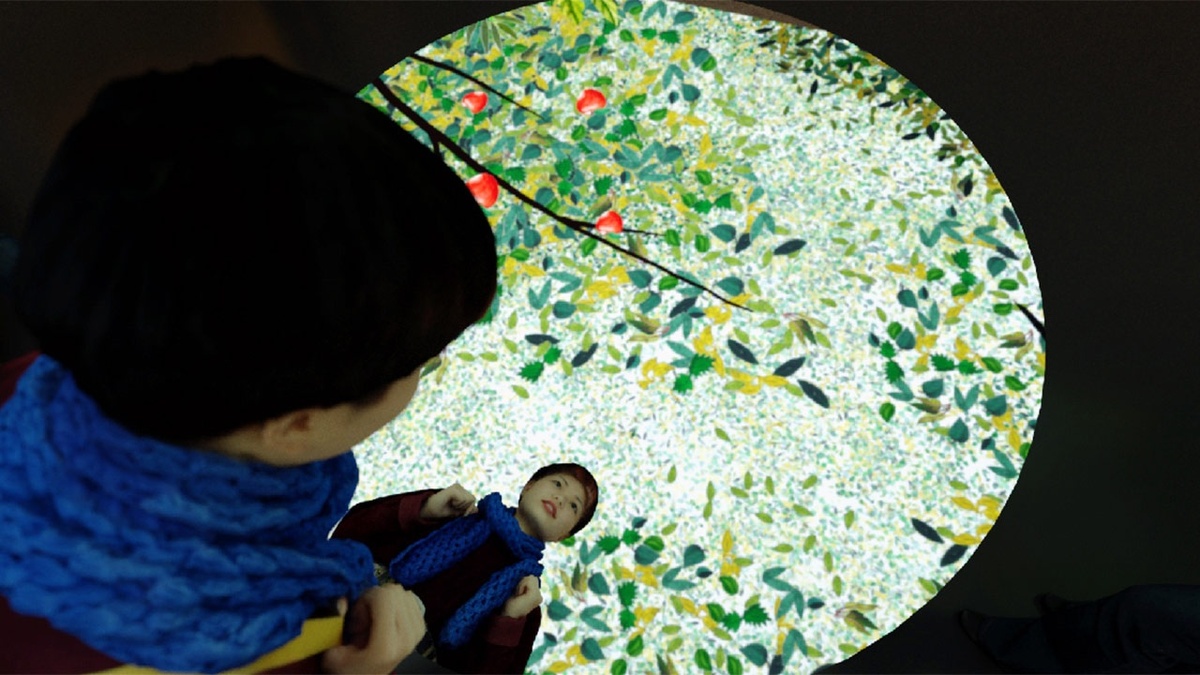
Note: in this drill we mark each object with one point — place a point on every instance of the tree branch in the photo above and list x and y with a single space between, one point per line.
465 75
584 228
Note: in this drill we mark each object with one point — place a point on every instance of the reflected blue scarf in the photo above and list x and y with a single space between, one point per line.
449 544
157 555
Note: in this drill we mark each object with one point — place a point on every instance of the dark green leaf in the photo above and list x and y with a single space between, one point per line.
926 531
906 340
1011 218
644 555
907 299
953 554
790 246
557 611
789 367
640 278
996 266
742 352
690 93
699 56
812 391
693 555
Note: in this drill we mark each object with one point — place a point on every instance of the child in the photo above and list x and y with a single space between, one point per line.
234 275
476 574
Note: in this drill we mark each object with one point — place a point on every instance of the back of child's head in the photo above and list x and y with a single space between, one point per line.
220 246
591 488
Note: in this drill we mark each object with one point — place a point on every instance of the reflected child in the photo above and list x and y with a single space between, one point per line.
475 565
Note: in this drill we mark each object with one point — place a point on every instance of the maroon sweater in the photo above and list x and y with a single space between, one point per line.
31 644
389 525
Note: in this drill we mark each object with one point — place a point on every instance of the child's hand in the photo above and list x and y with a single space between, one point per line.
527 596
382 629
452 502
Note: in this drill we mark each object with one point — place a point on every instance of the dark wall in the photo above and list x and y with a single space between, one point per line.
1088 114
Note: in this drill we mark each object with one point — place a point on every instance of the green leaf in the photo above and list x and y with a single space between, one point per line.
894 372
591 650
702 243
996 406
887 411
635 646
992 364
703 661
958 431
730 585
563 310
672 237
700 55
942 363
962 258
532 371
609 543
722 435
1003 309
934 273
887 350
520 391
755 653
669 36
683 384
933 388
619 667
967 368
1013 383
658 115
700 364
588 246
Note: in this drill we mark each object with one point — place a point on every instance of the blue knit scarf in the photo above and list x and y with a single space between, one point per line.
447 546
158 555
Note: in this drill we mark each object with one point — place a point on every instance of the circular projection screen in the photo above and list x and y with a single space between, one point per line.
757 282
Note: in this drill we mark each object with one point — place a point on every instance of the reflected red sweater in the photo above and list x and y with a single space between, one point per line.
31 644
391 524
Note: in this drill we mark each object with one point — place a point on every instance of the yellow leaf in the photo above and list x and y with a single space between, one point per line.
559 666
654 370
719 314
982 530
574 653
510 266
727 543
548 235
645 615
920 270
966 540
1014 439
730 569
963 502
532 270
987 502
648 578
774 381
706 144
618 275
961 349
703 343
601 289
897 269
927 342
623 572
687 605
954 311
750 389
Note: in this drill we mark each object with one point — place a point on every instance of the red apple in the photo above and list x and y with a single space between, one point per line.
475 101
610 223
590 101
484 188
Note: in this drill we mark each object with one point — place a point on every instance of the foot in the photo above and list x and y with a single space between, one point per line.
972 623
1049 602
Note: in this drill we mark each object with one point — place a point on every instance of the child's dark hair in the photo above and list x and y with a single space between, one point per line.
220 246
591 489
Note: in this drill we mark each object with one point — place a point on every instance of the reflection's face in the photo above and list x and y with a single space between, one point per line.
551 506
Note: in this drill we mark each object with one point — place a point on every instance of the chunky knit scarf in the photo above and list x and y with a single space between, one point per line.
451 543
158 555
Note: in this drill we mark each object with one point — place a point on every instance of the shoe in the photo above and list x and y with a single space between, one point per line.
1047 603
972 623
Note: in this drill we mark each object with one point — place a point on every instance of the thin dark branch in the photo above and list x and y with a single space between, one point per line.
1041 329
464 74
579 226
